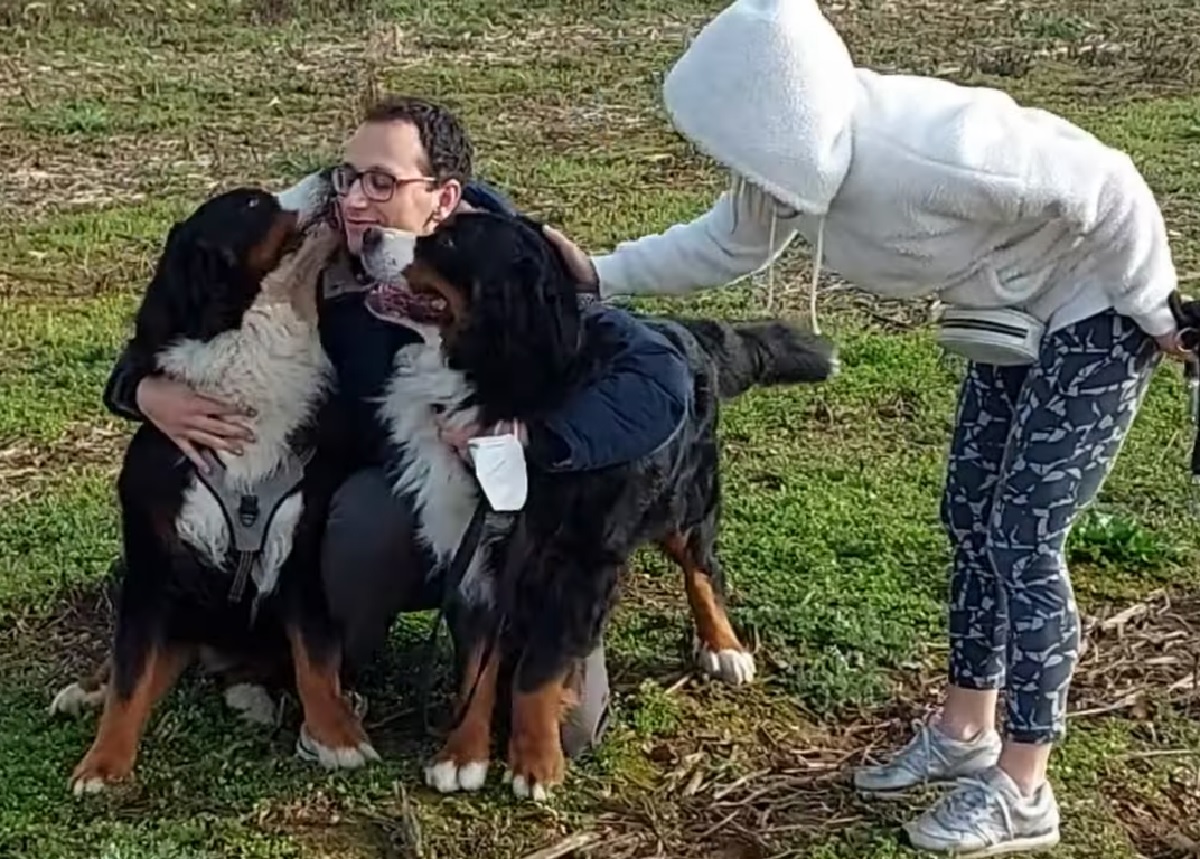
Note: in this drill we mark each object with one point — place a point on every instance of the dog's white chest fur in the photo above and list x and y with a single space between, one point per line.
275 365
443 490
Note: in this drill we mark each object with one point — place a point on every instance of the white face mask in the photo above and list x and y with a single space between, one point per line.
499 462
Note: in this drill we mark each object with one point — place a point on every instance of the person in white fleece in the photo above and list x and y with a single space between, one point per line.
1049 247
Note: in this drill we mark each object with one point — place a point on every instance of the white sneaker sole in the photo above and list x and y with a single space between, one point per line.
1032 844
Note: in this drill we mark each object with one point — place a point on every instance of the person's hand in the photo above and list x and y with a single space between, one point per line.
578 263
1172 344
459 438
191 420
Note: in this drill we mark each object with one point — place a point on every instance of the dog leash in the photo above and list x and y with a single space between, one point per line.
455 570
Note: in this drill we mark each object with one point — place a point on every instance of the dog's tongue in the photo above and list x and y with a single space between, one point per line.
395 302
389 301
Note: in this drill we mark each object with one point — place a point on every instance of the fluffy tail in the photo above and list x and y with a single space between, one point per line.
763 353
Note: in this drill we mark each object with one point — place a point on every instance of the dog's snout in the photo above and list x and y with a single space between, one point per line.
372 238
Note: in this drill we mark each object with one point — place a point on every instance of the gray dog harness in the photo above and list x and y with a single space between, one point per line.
250 514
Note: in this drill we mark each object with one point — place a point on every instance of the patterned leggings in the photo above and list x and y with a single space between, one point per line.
1032 447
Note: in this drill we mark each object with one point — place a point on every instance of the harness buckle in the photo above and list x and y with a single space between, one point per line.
248 510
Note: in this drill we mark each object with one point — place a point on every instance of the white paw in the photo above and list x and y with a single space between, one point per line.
83 786
522 790
252 702
73 700
345 757
733 666
448 777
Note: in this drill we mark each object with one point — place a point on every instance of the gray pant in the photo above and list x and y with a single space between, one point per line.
1032 447
374 569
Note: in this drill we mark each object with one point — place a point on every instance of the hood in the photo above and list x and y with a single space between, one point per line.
768 89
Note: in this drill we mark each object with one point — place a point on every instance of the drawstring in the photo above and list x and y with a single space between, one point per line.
737 186
817 260
771 265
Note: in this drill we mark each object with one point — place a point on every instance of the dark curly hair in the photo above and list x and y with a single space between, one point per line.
448 150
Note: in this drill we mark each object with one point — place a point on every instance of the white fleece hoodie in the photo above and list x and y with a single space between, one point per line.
906 185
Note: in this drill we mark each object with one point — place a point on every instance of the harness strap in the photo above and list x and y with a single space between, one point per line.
249 514
455 570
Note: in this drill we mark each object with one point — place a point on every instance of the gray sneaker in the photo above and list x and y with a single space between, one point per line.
986 815
930 758
304 746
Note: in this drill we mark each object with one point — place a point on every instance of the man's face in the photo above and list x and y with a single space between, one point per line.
393 188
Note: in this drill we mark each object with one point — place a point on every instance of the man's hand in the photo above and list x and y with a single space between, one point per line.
578 263
190 419
458 438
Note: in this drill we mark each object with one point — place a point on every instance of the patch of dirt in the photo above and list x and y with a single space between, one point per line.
28 470
1140 654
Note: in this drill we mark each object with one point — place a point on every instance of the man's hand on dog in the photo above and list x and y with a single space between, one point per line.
192 420
458 438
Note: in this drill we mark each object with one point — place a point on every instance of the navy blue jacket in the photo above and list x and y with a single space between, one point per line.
633 407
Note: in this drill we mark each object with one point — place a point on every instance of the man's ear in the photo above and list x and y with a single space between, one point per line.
449 196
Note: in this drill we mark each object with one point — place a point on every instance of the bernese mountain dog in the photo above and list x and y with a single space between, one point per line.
502 336
223 564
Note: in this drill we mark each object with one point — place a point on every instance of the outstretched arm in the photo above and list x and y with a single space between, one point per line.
742 233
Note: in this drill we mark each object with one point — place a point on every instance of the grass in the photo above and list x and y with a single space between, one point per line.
117 116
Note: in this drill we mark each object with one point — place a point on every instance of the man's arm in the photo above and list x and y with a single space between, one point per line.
120 392
634 408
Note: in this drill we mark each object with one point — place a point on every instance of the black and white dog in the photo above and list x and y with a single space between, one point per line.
503 338
225 564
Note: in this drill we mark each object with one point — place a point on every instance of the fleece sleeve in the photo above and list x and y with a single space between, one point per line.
1101 195
726 243
1143 285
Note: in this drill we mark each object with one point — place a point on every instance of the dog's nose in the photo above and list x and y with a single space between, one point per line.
372 238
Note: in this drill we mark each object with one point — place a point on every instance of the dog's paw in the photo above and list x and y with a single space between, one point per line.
253 703
343 756
534 772
449 776
74 699
732 666
99 771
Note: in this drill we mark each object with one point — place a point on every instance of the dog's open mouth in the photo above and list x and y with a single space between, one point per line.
398 303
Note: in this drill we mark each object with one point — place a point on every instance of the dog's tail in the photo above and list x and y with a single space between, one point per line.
773 352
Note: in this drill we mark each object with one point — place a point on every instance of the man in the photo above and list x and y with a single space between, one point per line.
407 166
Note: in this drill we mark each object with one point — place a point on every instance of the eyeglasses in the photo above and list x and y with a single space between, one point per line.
378 185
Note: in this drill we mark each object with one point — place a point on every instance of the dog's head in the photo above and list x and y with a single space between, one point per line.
498 295
216 263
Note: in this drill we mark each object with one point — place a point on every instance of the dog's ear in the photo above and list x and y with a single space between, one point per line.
193 292
520 342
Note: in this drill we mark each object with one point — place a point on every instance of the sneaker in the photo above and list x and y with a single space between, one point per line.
304 746
987 815
930 758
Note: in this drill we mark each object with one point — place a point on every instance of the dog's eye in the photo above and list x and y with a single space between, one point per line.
254 202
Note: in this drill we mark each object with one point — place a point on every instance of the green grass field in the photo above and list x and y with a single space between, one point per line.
117 116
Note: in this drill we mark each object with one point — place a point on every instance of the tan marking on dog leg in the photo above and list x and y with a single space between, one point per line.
334 733
462 762
535 755
115 748
721 653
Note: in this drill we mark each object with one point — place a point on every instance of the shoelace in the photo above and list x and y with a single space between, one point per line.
919 765
972 795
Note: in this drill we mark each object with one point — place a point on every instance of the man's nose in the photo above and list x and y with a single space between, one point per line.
354 196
